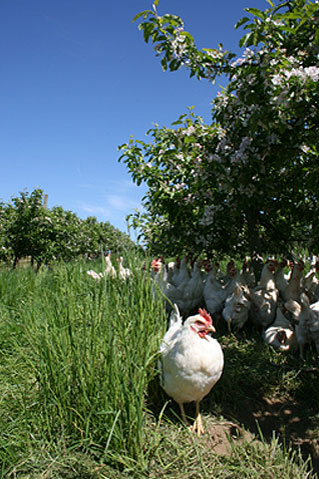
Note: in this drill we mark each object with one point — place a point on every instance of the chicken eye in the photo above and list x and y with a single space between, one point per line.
199 323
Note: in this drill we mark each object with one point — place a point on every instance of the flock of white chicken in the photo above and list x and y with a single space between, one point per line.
109 270
284 305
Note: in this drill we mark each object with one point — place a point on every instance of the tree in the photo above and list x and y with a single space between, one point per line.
25 212
5 248
247 183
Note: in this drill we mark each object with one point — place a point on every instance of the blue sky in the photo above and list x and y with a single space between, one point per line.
77 80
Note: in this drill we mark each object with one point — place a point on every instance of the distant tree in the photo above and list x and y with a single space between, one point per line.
6 252
28 228
247 183
25 212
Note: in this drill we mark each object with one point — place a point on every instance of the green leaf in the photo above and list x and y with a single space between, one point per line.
245 39
190 139
255 12
174 64
241 22
148 31
187 35
145 13
249 26
164 64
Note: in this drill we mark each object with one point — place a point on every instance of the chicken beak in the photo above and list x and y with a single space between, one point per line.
211 329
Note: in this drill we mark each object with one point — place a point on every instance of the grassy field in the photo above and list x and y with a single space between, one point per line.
79 392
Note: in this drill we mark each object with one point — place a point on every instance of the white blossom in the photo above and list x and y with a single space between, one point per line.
305 148
189 130
277 79
248 53
208 216
214 157
312 72
278 23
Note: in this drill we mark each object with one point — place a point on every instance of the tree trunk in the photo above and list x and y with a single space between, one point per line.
15 262
254 241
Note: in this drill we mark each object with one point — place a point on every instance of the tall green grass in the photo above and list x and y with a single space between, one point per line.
79 356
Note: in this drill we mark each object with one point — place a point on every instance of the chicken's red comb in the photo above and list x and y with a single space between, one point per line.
205 315
156 265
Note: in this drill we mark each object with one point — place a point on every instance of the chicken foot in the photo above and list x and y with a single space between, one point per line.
197 427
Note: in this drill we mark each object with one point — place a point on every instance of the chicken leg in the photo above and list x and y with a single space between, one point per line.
181 406
198 423
197 426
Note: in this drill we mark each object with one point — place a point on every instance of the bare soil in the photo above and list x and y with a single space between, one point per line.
282 417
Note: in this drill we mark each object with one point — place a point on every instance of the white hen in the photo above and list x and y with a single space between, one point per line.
265 296
310 282
124 273
191 361
169 291
282 278
95 275
109 268
294 289
236 308
181 274
280 334
307 317
216 291
193 289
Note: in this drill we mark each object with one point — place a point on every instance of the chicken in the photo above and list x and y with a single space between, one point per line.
225 277
191 362
247 274
280 334
171 293
215 291
172 270
310 282
267 278
234 275
265 296
124 273
281 278
307 317
236 309
181 274
156 267
109 268
294 289
193 289
95 275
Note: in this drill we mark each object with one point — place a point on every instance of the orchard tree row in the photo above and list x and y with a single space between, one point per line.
28 228
248 183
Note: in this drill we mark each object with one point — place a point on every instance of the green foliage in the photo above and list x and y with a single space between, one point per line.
27 228
177 47
247 183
